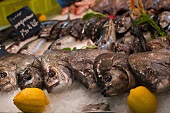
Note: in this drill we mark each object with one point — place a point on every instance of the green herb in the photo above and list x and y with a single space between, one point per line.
74 48
67 48
91 14
146 18
89 47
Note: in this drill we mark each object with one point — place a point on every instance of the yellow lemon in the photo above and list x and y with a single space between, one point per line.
42 17
31 100
142 100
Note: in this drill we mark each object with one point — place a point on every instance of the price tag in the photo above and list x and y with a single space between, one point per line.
25 23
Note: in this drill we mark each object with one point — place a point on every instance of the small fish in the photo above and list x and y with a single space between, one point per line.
35 47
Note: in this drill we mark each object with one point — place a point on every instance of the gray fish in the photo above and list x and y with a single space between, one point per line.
81 62
13 72
152 69
113 73
29 72
57 71
61 66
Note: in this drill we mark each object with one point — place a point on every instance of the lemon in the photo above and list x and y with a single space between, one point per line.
142 100
31 100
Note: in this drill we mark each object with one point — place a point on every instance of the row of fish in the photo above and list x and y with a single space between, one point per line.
97 70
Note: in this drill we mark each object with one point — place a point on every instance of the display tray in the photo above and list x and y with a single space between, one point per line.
74 98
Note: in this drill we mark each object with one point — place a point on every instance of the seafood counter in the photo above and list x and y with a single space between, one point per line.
86 60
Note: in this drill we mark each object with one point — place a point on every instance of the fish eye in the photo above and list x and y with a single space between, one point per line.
26 71
3 74
108 78
51 73
27 75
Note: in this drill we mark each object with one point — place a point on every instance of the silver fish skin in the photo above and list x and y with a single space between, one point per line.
81 62
58 75
35 47
152 69
10 72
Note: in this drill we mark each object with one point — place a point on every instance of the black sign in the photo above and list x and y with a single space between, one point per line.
25 22
3 51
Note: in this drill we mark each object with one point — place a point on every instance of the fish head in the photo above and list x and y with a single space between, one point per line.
122 23
114 81
57 78
152 69
51 78
30 77
8 80
29 73
113 74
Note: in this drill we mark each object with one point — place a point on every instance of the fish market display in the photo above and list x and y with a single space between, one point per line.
107 55
124 33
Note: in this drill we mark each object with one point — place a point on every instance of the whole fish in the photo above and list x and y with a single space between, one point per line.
20 70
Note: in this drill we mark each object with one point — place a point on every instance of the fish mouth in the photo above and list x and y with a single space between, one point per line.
103 92
106 93
7 87
51 86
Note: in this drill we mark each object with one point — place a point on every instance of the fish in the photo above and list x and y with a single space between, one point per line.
35 47
113 74
19 71
152 69
64 42
58 75
81 62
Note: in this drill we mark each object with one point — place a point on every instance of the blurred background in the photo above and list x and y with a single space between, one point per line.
39 7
